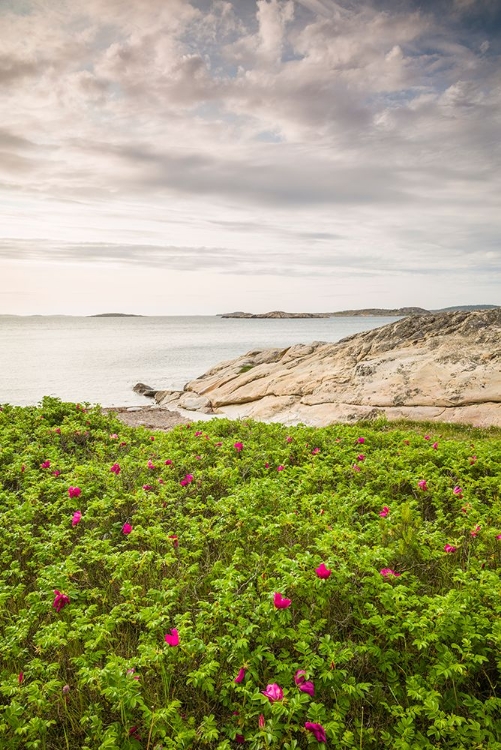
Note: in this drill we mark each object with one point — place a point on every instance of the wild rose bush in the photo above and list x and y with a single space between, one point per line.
150 609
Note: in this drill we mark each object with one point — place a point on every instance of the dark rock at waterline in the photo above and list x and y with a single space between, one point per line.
144 390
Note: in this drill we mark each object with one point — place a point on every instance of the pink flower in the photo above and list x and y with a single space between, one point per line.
240 739
300 676
280 602
173 638
168 462
238 447
450 548
113 436
56 473
123 444
458 491
175 540
77 515
360 457
115 469
280 468
126 528
475 531
240 676
317 730
187 480
45 464
198 433
152 437
389 573
498 536
23 467
147 487
315 451
361 440
218 444
74 491
57 430
322 571
20 677
267 465
134 733
422 485
151 465
261 721
355 467
60 600
384 512
473 460
66 689
426 437
274 692
307 687
435 446
289 439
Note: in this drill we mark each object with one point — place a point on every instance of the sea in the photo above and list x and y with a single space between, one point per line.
98 360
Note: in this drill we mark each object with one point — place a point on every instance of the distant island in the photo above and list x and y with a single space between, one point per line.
116 315
402 312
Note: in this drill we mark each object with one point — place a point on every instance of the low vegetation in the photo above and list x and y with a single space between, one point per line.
238 583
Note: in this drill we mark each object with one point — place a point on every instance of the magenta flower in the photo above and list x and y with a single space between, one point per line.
267 465
173 638
450 548
458 491
435 446
498 536
115 469
238 447
60 600
126 528
317 730
56 473
151 465
322 571
361 440
280 468
355 467
315 451
113 436
240 739
384 512
289 439
307 687
187 480
389 573
66 689
300 676
168 462
74 491
280 602
147 487
261 721
218 444
474 532
422 485
198 433
20 677
240 676
426 437
175 540
361 457
274 692
77 515
45 464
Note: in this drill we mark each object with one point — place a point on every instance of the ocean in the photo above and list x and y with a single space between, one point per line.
99 360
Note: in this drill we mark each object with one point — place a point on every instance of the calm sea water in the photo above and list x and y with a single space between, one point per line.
99 360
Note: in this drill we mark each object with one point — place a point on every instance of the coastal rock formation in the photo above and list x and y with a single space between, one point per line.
442 367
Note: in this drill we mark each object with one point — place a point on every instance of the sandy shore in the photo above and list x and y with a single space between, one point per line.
151 417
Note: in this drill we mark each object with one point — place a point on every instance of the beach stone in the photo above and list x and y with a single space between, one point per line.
437 367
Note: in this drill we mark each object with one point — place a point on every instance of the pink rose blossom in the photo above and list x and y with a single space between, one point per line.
267 465
152 437
77 515
60 600
57 430
151 465
198 433
307 687
74 491
474 532
66 689
115 469
289 439
113 436
168 462
56 473
355 467
238 447
147 487
450 548
389 573
274 692
384 512
361 440
426 437
218 444
322 571
173 638
422 485
435 446
187 480
240 739
458 491
473 460
315 451
498 536
261 721
360 457
317 730
280 468
281 602
123 444
300 676
240 676
126 528
45 464
20 677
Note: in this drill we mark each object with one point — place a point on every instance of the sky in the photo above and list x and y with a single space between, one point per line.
176 157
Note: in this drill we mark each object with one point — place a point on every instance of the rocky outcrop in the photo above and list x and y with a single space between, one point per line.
442 367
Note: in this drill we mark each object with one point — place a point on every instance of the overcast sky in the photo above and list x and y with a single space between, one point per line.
201 156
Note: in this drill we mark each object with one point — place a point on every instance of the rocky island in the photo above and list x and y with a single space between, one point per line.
440 367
